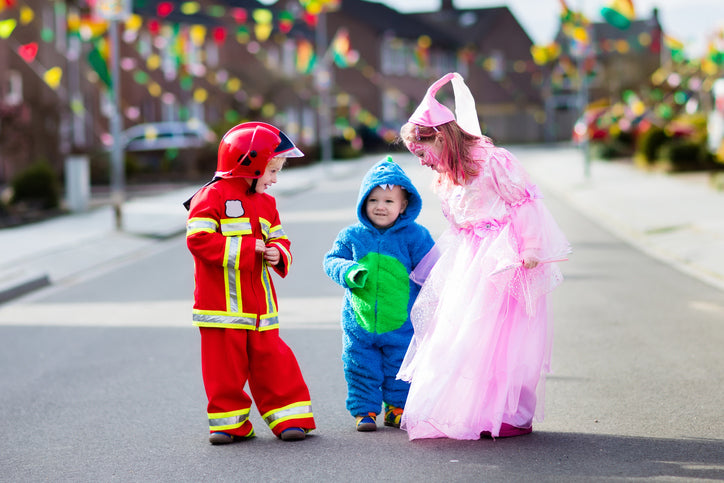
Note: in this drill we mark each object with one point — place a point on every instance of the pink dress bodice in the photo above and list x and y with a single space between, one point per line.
489 196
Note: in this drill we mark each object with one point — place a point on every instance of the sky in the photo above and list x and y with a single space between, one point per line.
690 21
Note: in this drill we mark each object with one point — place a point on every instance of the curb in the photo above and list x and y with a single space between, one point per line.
15 285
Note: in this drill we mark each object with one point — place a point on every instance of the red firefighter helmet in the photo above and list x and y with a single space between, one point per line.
246 149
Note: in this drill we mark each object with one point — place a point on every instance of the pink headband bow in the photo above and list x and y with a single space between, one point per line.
431 113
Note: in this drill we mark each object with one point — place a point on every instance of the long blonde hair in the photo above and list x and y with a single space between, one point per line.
457 145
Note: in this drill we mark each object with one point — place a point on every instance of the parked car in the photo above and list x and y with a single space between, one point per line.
169 150
159 136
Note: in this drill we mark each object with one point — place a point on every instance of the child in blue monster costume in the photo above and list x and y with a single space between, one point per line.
372 260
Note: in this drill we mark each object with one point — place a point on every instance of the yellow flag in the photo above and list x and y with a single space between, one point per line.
26 15
262 31
198 35
52 77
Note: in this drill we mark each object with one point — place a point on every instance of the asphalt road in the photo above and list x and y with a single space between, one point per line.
100 377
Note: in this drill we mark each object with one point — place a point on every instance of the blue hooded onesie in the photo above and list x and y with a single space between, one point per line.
374 265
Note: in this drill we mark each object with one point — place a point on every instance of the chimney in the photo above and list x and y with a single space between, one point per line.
447 6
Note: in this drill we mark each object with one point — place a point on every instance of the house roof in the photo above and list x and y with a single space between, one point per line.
604 30
467 26
381 18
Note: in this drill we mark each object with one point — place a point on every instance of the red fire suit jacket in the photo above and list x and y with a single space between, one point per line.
233 285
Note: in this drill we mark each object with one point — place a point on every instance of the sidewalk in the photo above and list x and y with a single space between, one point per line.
51 251
678 219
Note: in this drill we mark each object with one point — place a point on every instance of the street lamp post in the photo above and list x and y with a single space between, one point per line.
581 51
323 81
117 171
114 11
583 102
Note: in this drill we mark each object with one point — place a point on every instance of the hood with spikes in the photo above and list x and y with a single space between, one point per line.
387 172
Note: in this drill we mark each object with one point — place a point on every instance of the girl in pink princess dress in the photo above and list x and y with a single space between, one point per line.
482 342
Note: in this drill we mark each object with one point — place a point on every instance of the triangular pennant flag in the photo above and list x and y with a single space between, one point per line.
26 15
52 77
7 27
28 51
305 56
619 13
98 63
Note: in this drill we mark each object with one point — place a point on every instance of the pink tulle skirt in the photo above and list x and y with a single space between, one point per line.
482 341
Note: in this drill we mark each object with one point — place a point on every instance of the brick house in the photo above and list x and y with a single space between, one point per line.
498 71
226 80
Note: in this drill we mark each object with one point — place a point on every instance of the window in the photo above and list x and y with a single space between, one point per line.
497 69
212 55
14 89
289 56
309 131
390 107
393 57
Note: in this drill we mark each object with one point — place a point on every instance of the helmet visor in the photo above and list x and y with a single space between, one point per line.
286 148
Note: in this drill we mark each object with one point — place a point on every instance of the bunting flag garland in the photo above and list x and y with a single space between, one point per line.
286 22
566 14
52 77
6 4
7 27
164 9
306 57
543 54
342 54
26 15
239 15
86 27
315 7
134 22
190 8
98 63
422 51
28 51
675 46
190 71
576 27
197 34
219 35
310 20
263 27
619 13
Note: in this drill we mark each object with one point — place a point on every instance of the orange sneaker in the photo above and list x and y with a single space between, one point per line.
393 415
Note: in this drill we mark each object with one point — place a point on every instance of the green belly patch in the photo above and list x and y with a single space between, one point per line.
381 305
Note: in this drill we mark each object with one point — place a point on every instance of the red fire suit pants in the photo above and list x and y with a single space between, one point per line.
232 357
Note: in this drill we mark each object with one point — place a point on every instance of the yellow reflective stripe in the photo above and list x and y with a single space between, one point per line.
229 420
235 226
269 321
277 232
199 225
232 288
211 318
265 226
286 254
271 307
293 411
213 325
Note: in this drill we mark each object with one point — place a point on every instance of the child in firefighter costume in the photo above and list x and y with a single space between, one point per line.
235 236
372 260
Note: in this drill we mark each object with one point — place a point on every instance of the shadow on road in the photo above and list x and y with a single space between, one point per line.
551 456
